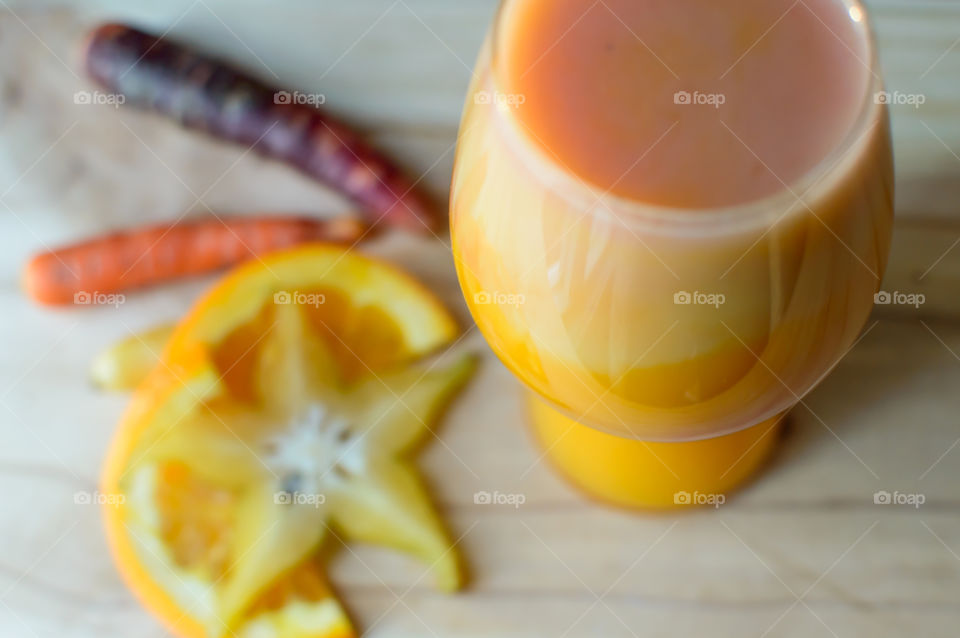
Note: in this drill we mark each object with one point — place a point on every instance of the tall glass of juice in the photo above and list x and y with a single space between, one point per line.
669 220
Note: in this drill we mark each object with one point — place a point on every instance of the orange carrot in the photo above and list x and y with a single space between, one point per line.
206 94
138 258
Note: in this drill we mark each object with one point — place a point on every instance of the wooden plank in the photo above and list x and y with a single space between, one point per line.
884 420
101 148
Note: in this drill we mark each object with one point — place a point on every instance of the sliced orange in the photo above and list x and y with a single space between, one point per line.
284 404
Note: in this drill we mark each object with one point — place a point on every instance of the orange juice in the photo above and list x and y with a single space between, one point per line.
747 108
632 473
670 218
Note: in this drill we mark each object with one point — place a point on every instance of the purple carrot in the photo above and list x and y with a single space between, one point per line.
206 94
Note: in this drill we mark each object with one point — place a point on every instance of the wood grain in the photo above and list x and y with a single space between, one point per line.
803 552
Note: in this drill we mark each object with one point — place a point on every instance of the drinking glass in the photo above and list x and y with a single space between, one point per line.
663 345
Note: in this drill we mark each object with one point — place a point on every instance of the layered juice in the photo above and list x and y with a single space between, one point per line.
670 218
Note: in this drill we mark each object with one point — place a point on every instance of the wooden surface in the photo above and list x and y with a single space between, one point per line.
804 552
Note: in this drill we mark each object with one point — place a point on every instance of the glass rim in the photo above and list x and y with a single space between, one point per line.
815 182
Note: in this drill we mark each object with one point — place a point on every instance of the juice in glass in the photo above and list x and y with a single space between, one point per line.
669 220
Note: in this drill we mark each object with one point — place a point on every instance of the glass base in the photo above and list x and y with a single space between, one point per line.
653 475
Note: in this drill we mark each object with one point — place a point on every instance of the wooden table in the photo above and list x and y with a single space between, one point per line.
804 552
